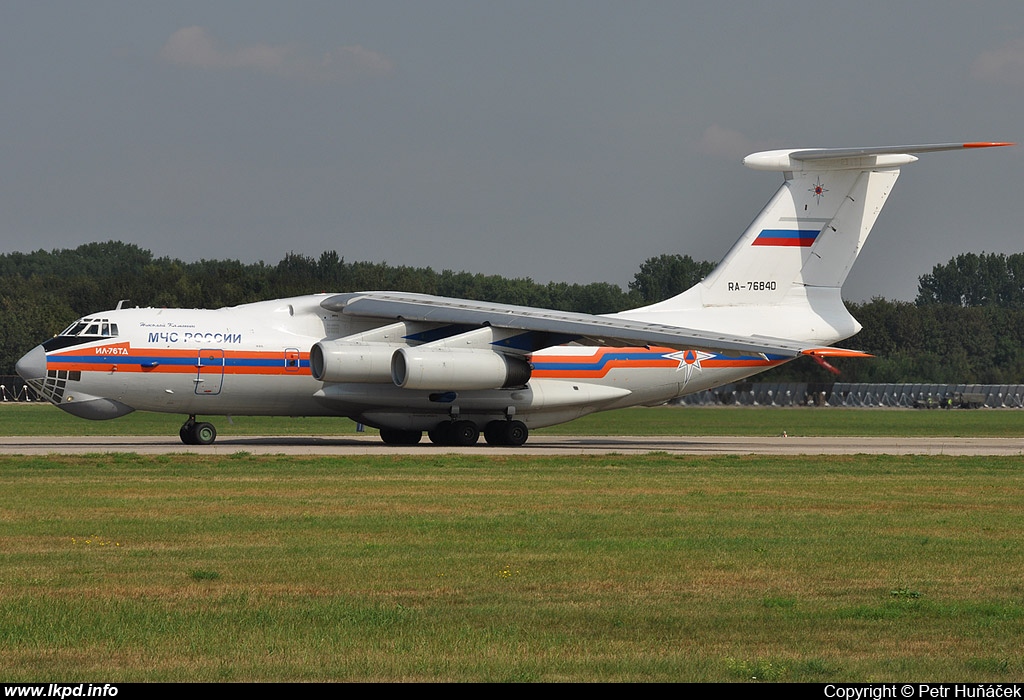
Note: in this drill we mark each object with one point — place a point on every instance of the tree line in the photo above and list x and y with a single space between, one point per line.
43 291
966 325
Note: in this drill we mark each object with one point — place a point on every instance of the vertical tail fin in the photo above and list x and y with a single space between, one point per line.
809 234
813 229
798 251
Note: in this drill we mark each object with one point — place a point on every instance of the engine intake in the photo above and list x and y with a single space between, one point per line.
330 361
457 369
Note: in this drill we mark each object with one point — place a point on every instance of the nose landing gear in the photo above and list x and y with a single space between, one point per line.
193 433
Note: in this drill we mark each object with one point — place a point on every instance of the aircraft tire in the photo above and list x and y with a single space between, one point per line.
441 434
507 433
400 437
494 432
203 433
516 433
460 433
186 434
464 433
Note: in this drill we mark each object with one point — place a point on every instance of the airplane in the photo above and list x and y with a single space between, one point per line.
409 363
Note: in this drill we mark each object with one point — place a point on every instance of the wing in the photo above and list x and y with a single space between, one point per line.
598 330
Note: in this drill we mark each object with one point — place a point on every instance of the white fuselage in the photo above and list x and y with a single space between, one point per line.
255 360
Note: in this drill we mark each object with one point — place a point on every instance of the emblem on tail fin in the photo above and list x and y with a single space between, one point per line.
818 190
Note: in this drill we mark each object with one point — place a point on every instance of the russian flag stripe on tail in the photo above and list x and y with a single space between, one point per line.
786 237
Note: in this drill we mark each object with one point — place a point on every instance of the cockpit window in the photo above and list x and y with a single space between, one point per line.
101 328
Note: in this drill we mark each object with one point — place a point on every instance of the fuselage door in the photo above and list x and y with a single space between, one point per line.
292 360
210 377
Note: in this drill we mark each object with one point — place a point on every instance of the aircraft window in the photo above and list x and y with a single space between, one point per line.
89 326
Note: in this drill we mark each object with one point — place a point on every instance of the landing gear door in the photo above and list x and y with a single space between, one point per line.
210 377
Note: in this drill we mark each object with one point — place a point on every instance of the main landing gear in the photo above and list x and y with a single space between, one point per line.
462 433
193 433
511 433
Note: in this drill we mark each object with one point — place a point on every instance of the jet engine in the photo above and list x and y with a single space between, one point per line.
457 369
331 361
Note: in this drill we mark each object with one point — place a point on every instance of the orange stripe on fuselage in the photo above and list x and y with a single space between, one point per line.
602 361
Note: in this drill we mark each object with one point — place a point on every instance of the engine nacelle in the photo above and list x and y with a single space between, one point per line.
332 361
457 369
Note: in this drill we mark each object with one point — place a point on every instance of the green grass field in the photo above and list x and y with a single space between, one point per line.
118 568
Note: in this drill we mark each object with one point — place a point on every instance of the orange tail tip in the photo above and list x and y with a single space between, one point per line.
834 352
819 355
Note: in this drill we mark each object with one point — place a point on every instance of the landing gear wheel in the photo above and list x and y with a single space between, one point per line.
400 437
204 433
192 433
510 433
464 433
460 433
494 432
440 434
516 433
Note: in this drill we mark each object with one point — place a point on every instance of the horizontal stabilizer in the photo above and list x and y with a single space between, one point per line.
800 159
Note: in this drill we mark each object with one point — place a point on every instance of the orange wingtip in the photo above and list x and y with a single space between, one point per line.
835 352
988 144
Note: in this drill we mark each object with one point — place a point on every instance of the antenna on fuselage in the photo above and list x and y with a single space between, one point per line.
120 304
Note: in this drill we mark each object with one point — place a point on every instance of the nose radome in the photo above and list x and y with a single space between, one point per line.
32 365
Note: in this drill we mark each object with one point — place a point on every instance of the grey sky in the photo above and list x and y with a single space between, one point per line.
557 140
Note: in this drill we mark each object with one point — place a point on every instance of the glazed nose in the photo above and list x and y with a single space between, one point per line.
33 364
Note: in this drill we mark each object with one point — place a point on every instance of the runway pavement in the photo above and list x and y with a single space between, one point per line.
538 445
